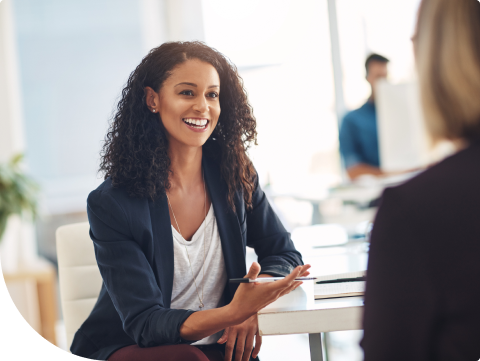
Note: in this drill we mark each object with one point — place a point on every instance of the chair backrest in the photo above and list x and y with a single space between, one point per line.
79 277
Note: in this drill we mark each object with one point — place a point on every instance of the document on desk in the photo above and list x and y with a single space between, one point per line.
340 289
333 290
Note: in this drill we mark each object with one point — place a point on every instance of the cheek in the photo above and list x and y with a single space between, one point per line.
217 112
170 111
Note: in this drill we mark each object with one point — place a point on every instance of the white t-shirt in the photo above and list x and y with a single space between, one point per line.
184 293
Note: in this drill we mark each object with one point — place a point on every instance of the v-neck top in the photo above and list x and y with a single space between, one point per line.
188 258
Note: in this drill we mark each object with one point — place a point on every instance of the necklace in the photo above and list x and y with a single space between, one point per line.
204 241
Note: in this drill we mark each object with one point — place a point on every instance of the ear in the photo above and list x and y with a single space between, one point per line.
152 99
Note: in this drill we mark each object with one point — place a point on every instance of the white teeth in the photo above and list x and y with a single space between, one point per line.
197 122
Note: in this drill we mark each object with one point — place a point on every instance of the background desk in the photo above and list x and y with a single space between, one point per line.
42 303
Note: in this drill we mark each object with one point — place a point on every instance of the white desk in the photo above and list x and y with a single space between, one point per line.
298 312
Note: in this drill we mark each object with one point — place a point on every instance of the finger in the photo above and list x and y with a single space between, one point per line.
287 281
224 337
248 347
290 288
240 346
258 344
253 271
232 337
304 271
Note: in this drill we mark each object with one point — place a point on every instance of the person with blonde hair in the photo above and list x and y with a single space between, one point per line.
423 283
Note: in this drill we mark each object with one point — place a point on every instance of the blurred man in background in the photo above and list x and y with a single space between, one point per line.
358 132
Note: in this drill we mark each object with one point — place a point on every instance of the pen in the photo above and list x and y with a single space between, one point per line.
355 279
266 279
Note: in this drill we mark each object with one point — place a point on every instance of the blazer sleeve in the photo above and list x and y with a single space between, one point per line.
128 276
267 235
400 301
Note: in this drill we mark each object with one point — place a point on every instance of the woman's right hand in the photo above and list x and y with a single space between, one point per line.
247 301
252 297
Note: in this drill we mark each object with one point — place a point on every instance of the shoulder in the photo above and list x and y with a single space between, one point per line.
106 192
350 117
114 200
447 186
355 116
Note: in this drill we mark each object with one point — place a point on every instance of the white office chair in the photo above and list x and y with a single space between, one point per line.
80 279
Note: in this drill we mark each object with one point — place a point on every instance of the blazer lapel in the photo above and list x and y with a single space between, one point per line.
163 247
228 226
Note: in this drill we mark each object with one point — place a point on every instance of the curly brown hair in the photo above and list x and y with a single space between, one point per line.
135 153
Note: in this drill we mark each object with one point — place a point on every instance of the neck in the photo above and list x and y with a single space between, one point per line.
186 166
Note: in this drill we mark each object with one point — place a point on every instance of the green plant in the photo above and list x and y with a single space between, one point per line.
18 192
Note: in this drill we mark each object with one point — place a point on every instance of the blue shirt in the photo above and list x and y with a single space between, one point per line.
359 138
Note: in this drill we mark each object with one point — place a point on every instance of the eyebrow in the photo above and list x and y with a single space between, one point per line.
195 85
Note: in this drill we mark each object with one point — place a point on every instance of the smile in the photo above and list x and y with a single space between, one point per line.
196 123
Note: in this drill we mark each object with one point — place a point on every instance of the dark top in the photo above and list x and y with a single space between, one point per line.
423 280
134 251
359 138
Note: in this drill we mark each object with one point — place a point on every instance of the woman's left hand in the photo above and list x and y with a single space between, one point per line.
243 334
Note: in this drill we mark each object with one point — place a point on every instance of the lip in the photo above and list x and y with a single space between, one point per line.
196 130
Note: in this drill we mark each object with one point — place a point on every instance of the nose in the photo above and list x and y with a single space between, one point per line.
200 105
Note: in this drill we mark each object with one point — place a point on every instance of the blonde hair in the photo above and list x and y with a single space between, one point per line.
447 50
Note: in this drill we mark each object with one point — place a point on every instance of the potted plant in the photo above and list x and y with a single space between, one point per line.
18 192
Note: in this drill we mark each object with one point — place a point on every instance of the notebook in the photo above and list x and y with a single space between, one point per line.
341 289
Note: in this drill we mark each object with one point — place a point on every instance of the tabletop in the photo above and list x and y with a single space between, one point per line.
299 312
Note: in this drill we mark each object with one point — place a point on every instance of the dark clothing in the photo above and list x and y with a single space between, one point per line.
166 353
182 352
359 137
134 251
423 279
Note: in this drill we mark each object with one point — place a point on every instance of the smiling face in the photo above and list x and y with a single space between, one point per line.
188 103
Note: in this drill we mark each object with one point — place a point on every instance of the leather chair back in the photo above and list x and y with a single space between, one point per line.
79 277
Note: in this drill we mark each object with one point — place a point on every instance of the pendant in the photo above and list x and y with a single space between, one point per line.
201 305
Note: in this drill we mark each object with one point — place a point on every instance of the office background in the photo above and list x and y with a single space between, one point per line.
64 64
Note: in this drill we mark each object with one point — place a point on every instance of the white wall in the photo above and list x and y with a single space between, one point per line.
11 122
74 59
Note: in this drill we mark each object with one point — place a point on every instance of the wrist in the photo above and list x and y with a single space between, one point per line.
234 314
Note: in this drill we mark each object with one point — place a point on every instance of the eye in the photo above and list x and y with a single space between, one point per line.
213 95
187 92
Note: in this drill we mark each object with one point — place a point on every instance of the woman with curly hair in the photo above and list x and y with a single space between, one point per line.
180 202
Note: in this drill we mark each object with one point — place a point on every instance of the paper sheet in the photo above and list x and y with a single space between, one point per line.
343 289
340 275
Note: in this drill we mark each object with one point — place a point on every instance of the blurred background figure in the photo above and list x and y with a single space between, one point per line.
358 132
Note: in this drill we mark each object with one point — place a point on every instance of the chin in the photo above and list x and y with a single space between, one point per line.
196 143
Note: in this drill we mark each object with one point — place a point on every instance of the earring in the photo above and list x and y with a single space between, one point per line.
153 110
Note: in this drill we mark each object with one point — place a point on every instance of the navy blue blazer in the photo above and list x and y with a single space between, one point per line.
134 251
